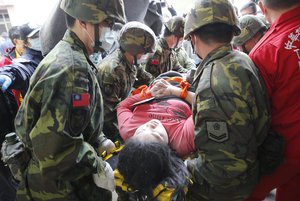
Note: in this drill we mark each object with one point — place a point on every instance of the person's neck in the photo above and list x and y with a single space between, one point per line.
169 42
82 36
204 49
273 15
129 57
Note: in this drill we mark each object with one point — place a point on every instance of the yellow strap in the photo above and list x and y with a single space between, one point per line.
162 193
119 180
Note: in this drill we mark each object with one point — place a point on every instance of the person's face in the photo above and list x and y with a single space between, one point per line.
247 11
90 29
195 43
19 46
176 41
152 131
249 45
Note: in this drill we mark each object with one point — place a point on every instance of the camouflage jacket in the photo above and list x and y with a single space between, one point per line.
163 60
184 59
58 121
116 78
232 118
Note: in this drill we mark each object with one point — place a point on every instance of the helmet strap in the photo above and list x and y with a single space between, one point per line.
97 42
176 42
135 60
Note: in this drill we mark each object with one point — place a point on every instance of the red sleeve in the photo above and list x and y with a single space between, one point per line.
182 140
5 61
124 115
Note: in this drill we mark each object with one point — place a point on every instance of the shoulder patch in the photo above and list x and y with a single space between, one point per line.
80 100
217 131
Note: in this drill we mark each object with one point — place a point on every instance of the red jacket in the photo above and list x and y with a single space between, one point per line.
277 55
174 114
3 62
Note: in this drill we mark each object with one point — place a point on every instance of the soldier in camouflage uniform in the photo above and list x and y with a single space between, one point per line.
165 58
119 71
230 108
61 118
183 58
252 29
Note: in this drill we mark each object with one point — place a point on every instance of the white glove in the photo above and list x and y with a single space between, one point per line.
162 88
5 82
105 179
108 146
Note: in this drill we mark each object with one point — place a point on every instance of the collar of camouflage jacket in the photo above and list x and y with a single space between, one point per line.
213 55
76 43
123 60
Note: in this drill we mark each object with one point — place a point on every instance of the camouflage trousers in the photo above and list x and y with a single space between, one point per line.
36 187
207 192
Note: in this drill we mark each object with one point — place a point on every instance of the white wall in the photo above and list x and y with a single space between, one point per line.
34 11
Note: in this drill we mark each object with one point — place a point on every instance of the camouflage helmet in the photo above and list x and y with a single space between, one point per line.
207 12
137 38
95 11
176 26
250 25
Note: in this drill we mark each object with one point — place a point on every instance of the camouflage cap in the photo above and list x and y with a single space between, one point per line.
176 26
207 12
95 11
137 38
250 25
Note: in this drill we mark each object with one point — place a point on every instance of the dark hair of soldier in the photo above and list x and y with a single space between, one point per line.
280 4
216 32
145 164
70 21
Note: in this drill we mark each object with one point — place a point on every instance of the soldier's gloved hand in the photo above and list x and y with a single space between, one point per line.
5 82
108 146
105 179
163 88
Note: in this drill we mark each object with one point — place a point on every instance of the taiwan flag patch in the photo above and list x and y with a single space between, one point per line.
81 100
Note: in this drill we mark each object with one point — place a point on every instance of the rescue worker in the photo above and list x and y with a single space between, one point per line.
18 49
165 58
60 119
230 108
17 75
119 71
252 29
277 56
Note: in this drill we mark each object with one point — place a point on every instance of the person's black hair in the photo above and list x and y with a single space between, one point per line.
216 32
145 164
25 29
280 4
70 21
14 33
251 5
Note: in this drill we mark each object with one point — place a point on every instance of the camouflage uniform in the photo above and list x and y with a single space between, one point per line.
117 76
230 111
61 118
250 25
184 59
165 58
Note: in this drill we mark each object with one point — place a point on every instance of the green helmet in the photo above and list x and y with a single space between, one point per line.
137 38
176 26
250 25
95 11
207 12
